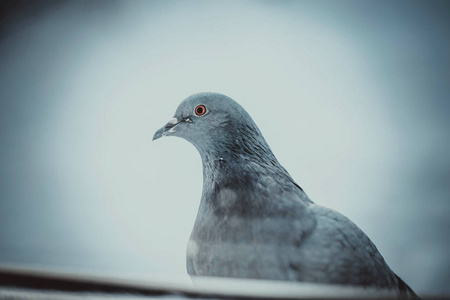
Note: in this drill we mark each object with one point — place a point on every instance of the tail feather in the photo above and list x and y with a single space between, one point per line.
405 291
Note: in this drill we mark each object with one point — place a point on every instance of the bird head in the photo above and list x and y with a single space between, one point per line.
212 122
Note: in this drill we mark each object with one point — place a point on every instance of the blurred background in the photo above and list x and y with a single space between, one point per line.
352 96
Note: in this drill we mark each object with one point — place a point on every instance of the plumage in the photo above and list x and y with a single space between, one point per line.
254 221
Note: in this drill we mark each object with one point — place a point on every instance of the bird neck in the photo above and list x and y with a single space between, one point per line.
243 186
239 159
224 168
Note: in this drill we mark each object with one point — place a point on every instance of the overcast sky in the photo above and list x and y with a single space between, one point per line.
352 96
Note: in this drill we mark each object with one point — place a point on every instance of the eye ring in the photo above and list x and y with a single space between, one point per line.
200 110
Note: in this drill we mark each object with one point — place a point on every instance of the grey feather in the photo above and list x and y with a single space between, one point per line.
254 221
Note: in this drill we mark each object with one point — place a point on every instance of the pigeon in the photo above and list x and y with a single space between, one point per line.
254 221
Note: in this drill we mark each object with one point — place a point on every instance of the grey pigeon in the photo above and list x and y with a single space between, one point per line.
254 221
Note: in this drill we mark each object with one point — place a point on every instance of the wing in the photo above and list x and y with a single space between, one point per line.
338 251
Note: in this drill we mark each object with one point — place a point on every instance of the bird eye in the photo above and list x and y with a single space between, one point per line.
200 110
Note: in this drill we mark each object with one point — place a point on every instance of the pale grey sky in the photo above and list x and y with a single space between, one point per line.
352 97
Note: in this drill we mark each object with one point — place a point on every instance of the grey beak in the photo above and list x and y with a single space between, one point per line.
159 133
163 131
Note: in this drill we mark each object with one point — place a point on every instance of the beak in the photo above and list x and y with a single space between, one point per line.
166 129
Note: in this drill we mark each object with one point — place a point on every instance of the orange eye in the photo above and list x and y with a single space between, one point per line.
200 110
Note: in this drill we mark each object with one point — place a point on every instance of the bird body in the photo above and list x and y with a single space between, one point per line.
254 221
